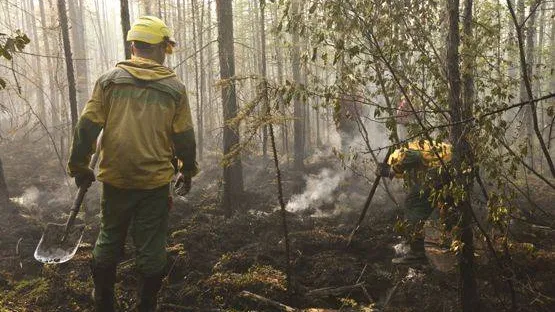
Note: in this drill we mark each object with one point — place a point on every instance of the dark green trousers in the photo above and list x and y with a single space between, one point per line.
417 210
417 205
144 213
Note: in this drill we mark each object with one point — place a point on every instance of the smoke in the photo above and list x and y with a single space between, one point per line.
319 190
29 199
334 138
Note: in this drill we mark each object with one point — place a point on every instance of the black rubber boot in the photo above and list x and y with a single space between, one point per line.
149 286
103 293
416 254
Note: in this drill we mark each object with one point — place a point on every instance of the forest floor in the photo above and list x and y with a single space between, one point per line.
214 259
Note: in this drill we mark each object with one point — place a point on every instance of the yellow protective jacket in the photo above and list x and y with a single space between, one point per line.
144 111
419 155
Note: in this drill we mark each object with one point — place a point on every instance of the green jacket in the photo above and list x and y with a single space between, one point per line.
144 111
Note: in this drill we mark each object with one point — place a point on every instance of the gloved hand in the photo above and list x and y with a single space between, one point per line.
182 185
85 178
384 170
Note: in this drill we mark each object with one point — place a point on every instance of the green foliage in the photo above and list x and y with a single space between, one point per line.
9 45
385 51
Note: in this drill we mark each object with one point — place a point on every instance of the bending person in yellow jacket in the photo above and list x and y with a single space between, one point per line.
143 108
418 165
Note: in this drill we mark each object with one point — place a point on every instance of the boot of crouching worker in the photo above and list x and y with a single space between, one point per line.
415 255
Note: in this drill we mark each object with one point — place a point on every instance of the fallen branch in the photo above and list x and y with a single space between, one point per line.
176 307
390 294
17 252
267 302
332 291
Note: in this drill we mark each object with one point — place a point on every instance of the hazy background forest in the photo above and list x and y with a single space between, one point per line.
307 90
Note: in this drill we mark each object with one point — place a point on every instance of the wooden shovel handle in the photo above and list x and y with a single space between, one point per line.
75 209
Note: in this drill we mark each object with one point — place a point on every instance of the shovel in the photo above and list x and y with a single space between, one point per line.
59 242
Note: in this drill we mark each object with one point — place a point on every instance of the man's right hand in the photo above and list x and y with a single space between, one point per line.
384 170
85 178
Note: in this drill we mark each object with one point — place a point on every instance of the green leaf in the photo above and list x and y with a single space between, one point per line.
313 7
314 54
6 54
25 39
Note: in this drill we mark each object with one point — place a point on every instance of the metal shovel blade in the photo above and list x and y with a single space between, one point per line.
51 248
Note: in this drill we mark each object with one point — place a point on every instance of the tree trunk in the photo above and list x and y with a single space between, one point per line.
4 195
520 16
461 151
538 85
212 115
298 135
552 71
528 86
131 12
125 26
202 76
61 90
185 42
62 13
198 67
233 175
147 7
307 131
40 89
178 36
169 22
54 111
279 68
530 43
103 59
78 43
264 75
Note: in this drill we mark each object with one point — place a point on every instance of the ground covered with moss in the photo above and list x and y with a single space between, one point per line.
213 260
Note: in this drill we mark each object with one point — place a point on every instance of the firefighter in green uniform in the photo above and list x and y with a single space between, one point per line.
418 164
143 110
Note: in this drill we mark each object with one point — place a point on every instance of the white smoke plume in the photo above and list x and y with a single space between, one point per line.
319 190
29 199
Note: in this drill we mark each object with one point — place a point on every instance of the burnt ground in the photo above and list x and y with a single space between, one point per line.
213 259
